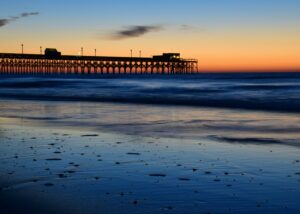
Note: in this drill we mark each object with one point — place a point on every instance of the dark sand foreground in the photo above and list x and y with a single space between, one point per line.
49 166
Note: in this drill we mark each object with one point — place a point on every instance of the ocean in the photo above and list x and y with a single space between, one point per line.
258 91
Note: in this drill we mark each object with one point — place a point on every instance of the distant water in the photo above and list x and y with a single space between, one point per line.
257 91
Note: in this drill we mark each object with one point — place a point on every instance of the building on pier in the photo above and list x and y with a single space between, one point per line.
167 57
52 53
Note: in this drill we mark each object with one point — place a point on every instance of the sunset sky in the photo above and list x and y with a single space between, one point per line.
224 35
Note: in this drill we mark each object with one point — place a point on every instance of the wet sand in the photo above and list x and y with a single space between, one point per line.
48 167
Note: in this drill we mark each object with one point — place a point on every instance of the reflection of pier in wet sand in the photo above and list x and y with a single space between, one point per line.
52 62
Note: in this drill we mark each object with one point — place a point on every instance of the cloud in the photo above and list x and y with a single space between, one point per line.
192 28
30 14
4 22
135 31
186 27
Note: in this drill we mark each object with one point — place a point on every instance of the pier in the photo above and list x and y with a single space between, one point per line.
52 62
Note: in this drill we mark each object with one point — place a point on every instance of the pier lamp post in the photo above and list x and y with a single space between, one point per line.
131 53
41 50
22 45
140 53
82 51
95 52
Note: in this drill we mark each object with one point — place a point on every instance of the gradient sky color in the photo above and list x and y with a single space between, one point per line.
225 35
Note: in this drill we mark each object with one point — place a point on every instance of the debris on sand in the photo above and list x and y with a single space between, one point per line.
62 175
90 135
157 175
133 153
184 179
53 159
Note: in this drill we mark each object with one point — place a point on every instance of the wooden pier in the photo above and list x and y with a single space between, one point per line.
47 64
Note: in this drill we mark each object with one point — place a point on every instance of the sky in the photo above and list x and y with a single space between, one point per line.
224 35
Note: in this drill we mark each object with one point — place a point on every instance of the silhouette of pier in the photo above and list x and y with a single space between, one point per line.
52 62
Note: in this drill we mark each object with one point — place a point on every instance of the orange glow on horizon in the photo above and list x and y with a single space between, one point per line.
230 52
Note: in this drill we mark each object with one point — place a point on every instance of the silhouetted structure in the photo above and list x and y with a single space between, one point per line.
52 53
167 56
52 62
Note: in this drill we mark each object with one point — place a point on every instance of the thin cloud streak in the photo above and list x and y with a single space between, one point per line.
30 14
7 21
186 27
135 31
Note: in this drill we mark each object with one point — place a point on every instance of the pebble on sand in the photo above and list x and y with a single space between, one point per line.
184 179
53 159
133 153
90 135
62 175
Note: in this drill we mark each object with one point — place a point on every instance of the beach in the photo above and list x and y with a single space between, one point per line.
95 156
50 161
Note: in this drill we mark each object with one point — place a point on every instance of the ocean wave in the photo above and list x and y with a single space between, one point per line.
256 141
265 87
36 84
279 106
241 92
